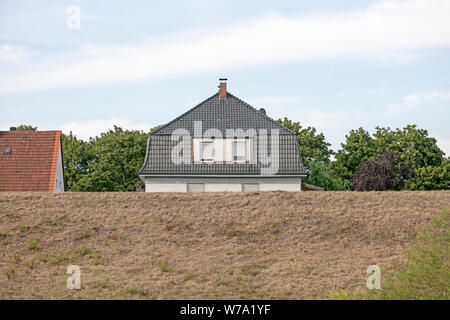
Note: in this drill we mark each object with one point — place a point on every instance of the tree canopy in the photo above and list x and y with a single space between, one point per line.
26 127
388 159
431 177
385 172
109 162
413 146
321 174
313 146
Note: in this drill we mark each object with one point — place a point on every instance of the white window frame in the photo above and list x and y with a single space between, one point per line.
234 147
223 150
202 147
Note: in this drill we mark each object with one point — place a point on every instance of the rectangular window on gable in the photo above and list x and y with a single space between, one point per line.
239 152
207 151
222 151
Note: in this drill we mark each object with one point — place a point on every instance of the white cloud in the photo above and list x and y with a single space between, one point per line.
4 36
410 101
9 53
86 129
383 28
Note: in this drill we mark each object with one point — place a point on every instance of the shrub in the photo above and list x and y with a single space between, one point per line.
385 172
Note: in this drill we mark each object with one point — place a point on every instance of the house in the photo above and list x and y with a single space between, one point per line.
223 144
31 161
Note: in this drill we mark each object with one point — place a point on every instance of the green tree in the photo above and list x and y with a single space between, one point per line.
313 146
109 162
431 178
321 174
26 127
117 158
413 145
359 147
77 156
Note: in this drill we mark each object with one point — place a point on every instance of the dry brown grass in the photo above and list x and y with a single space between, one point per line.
273 245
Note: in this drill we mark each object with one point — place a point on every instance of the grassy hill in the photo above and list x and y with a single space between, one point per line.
272 245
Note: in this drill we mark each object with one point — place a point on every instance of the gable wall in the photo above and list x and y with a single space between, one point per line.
59 176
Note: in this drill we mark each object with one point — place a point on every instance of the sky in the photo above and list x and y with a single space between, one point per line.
332 65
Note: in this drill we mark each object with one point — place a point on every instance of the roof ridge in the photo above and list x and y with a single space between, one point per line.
264 115
182 115
233 96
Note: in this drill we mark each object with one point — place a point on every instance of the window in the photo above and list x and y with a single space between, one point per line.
207 151
222 151
239 151
195 187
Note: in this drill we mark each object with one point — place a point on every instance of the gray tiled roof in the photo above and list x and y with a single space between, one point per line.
221 114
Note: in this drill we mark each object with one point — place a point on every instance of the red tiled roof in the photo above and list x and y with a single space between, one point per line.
31 163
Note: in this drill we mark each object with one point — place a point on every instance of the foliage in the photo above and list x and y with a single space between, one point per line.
358 148
322 174
431 178
26 127
109 162
385 172
427 273
313 146
77 158
114 161
10 272
31 244
412 145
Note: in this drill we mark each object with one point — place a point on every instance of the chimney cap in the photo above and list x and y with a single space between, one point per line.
12 129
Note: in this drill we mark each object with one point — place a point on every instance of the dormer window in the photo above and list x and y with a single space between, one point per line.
237 150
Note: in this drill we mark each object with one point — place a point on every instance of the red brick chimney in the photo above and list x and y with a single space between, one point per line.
223 88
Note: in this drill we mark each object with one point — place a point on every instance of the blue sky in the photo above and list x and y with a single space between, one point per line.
334 65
